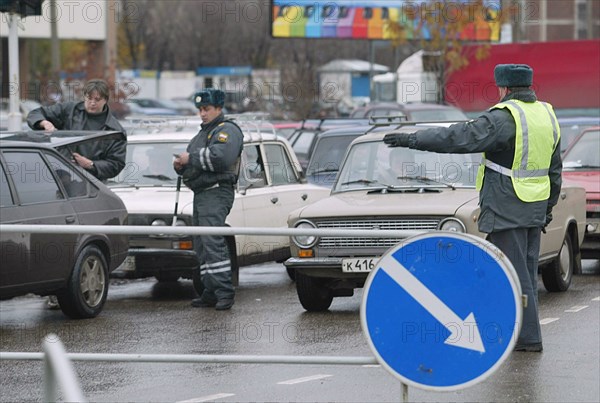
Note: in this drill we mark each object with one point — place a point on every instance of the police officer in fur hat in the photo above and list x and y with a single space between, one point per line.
210 168
519 178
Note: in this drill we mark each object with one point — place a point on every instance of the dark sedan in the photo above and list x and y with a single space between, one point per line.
38 185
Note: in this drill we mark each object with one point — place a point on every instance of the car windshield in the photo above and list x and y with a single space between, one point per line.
328 153
584 153
569 130
149 164
371 165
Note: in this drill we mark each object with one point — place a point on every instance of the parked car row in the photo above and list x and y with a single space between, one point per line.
354 182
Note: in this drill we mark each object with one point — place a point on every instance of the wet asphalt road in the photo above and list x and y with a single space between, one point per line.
145 317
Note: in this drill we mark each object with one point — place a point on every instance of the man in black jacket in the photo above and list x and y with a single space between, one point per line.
210 168
519 179
104 158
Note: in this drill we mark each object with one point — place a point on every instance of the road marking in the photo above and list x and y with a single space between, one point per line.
305 379
548 320
596 299
209 398
576 308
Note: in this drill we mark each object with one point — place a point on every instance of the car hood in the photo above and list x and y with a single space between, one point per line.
590 180
445 202
152 199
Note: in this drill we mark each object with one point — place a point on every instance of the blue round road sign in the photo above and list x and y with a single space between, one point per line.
442 311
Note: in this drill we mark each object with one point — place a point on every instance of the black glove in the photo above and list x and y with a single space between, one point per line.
396 139
548 220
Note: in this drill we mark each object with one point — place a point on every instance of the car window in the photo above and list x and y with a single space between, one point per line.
328 153
252 171
33 179
303 142
584 153
149 164
279 165
72 181
6 198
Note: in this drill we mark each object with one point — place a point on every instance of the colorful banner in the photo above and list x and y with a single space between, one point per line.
360 19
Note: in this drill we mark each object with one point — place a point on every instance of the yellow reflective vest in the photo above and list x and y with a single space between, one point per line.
535 141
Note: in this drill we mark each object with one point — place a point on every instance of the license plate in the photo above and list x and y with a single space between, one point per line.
359 265
128 264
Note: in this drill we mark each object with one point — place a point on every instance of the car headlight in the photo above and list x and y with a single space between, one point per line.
305 241
452 225
159 221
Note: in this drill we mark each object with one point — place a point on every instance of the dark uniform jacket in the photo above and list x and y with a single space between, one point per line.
214 155
494 133
108 155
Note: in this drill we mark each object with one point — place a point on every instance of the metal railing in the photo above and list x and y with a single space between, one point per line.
191 230
58 368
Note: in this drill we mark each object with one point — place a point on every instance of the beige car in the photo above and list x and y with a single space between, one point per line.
402 189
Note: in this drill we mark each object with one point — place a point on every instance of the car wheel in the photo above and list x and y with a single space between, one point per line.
291 273
313 293
86 291
558 274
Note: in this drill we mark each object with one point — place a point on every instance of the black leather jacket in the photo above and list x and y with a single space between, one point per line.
108 155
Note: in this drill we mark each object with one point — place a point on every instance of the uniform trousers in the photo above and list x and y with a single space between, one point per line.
522 247
211 207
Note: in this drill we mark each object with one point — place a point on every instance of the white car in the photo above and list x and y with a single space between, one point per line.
271 185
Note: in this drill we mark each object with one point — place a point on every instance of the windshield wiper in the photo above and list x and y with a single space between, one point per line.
160 177
425 179
363 181
323 170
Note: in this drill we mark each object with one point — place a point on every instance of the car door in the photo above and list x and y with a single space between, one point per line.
13 246
42 201
288 192
254 204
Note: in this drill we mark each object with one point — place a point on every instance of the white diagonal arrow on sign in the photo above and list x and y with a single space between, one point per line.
463 333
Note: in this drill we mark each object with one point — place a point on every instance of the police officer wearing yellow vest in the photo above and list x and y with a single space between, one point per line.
519 179
210 168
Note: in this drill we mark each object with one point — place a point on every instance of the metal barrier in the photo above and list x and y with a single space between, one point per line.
167 230
58 368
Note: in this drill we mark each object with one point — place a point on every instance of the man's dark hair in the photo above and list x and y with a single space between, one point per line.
100 86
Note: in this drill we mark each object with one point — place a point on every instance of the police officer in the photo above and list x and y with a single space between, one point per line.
210 168
519 179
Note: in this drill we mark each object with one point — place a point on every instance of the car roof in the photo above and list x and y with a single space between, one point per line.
170 135
377 135
55 139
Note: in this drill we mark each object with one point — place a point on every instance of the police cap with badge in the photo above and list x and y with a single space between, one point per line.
209 96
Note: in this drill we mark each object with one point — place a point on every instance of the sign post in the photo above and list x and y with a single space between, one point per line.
441 311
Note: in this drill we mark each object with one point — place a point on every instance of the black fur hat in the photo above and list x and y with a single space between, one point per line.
209 96
513 75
